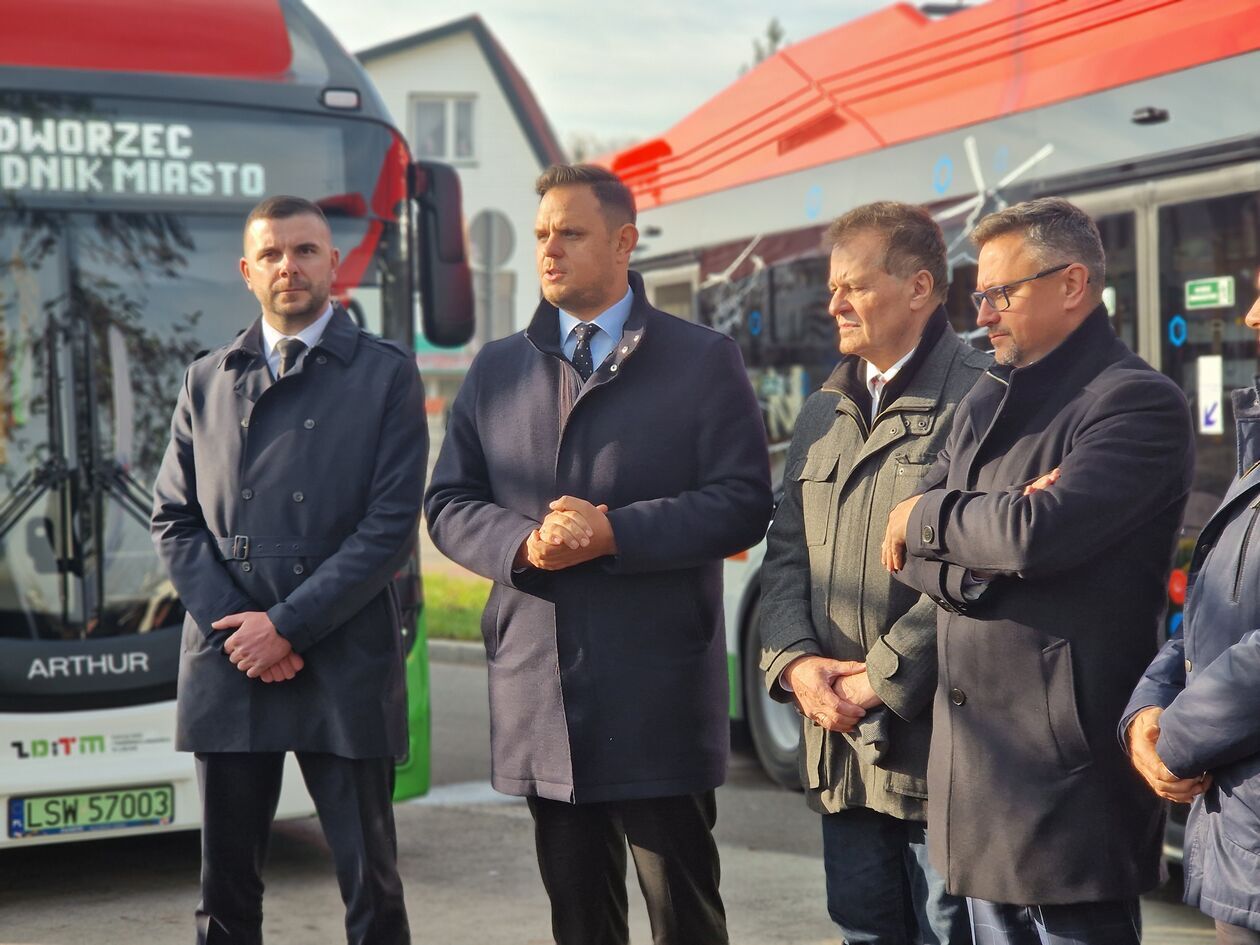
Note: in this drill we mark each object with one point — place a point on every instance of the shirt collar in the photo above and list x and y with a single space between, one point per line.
873 373
309 335
611 320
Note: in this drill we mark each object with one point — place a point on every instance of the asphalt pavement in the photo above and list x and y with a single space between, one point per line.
466 858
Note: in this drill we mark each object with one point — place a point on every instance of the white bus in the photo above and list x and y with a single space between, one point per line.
1142 112
129 157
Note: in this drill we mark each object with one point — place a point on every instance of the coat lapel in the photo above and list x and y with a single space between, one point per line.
244 357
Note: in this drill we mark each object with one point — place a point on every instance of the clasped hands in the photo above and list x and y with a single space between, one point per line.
574 531
257 649
833 693
1143 733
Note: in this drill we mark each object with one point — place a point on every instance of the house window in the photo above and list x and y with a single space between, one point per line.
442 128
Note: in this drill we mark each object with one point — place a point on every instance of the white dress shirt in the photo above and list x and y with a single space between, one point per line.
877 380
309 336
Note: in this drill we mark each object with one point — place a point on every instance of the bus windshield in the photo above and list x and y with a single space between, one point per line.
120 232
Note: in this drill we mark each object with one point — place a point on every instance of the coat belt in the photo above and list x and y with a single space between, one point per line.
243 547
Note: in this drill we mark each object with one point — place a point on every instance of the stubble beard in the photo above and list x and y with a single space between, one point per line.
1010 356
299 317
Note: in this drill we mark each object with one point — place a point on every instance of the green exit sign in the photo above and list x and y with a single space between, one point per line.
1217 292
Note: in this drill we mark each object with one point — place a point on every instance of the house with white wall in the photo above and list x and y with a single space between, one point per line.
459 98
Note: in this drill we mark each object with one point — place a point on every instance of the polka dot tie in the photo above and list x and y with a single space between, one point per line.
582 353
290 350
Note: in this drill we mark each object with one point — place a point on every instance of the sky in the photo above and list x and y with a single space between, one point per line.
624 71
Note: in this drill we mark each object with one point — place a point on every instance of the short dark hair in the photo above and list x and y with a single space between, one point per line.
283 206
615 198
1055 230
912 239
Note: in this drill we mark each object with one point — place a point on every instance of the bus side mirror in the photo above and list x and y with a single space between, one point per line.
446 297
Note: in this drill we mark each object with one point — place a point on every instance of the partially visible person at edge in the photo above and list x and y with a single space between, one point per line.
287 500
837 631
1193 724
1045 533
598 467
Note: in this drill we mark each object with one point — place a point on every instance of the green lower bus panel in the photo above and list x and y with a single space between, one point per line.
412 775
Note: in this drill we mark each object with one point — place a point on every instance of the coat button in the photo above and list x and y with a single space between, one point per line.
244 421
928 534
246 566
299 569
308 423
320 359
612 367
957 696
247 494
298 497
1189 666
625 350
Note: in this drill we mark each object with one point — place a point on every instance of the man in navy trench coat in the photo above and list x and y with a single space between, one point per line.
288 498
598 477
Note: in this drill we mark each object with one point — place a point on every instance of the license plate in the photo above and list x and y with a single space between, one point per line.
91 810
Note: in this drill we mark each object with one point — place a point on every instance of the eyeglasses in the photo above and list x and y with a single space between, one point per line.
997 296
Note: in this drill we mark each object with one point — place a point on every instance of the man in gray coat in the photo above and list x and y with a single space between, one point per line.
598 467
288 498
1045 533
837 631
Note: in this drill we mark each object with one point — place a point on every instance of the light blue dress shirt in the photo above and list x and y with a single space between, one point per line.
611 322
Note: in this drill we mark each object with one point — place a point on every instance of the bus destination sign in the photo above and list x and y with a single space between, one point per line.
139 158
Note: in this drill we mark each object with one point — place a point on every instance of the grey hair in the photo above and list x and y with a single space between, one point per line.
1055 230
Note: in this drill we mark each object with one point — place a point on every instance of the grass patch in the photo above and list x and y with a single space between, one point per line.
453 606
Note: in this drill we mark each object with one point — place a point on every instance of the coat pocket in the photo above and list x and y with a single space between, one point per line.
907 478
907 785
490 623
818 495
1061 711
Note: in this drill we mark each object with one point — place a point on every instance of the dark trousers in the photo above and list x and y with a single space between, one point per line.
1079 923
1227 934
881 889
582 858
239 793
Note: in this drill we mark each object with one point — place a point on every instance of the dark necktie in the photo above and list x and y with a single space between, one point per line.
582 353
290 350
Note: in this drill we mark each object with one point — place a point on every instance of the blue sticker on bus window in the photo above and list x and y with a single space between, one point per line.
1178 331
754 322
942 174
1002 159
813 202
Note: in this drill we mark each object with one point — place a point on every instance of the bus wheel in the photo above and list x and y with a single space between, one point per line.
775 727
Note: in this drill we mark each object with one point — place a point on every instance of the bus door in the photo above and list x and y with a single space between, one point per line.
1182 258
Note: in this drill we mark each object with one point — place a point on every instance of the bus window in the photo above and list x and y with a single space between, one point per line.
675 298
1208 253
1119 241
962 311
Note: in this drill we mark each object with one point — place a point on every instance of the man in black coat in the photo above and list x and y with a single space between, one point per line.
288 498
597 467
1045 535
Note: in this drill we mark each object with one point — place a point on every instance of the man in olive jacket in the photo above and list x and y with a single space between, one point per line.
598 467
837 631
288 498
1045 534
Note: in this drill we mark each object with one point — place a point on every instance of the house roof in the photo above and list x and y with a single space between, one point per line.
515 89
